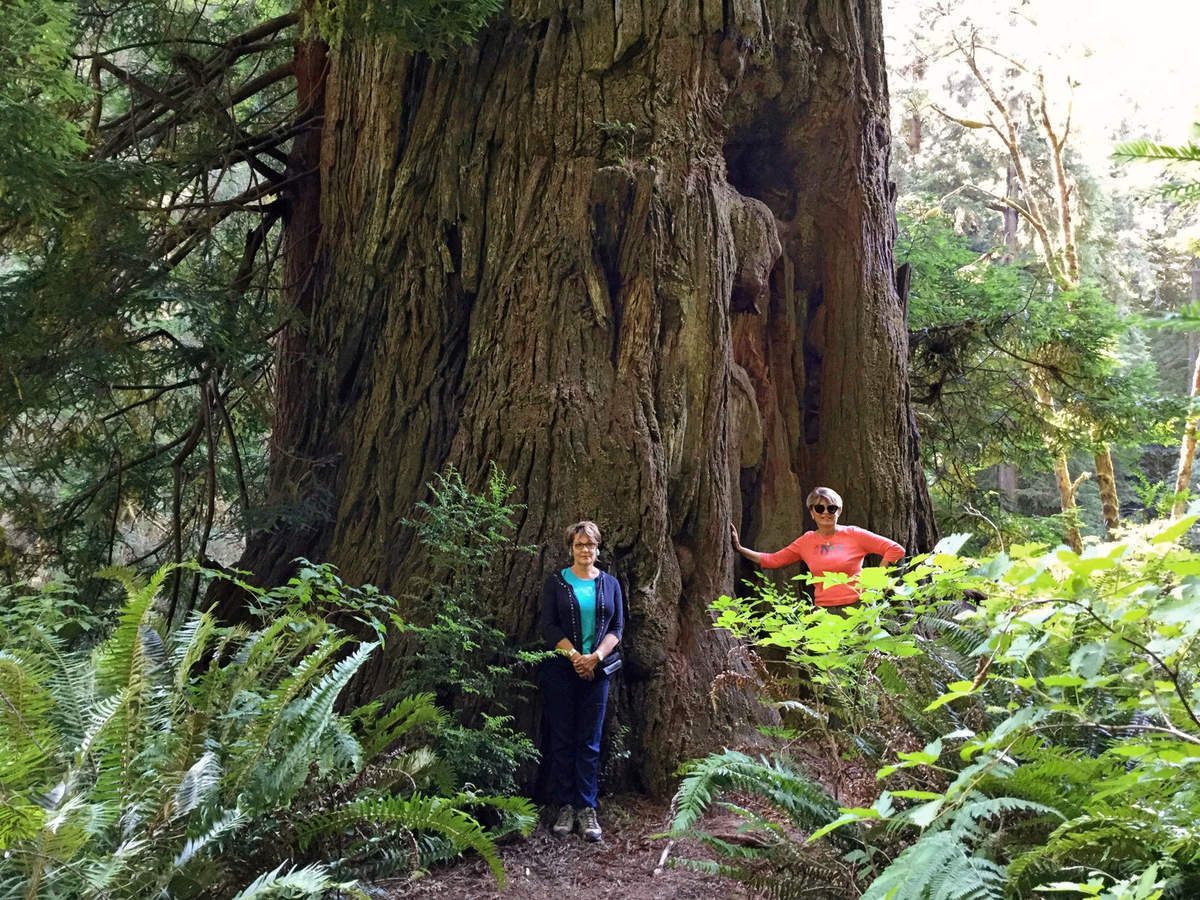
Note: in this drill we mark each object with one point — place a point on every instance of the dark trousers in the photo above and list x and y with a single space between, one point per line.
574 720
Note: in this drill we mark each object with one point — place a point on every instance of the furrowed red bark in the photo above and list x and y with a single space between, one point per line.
639 255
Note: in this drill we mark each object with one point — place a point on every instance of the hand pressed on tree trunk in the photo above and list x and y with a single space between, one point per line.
830 548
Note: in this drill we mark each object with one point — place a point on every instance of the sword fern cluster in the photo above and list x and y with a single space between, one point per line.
212 760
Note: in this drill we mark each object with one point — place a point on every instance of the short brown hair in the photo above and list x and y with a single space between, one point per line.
591 529
829 495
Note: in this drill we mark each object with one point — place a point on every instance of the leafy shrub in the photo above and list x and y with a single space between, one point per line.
857 664
1065 758
187 763
464 659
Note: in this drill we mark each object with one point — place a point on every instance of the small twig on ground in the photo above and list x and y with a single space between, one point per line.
662 860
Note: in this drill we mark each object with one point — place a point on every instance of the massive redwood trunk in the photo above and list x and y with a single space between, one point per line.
639 255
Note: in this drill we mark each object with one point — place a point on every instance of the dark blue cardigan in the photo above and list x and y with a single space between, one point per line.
560 611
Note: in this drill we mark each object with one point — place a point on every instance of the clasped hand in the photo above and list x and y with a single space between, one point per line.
585 665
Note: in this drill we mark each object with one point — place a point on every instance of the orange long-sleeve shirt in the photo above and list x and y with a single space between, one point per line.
843 551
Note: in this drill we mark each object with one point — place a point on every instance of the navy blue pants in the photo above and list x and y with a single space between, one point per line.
574 720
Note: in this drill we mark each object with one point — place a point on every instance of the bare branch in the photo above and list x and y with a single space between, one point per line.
192 78
128 78
1065 222
1012 143
158 392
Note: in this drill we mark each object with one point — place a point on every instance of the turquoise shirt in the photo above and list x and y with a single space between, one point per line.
585 593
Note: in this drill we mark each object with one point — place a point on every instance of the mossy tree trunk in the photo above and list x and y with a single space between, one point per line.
639 255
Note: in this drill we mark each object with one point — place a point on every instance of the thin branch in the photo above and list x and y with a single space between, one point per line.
175 248
193 438
153 551
144 336
1000 203
194 76
166 42
116 514
208 391
83 499
147 128
158 392
1065 223
1011 140
231 434
1171 673
98 101
128 78
1041 366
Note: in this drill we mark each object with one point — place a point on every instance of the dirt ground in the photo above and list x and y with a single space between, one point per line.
626 863
544 866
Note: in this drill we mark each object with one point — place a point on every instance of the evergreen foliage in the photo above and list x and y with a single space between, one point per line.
1182 158
431 26
213 758
978 329
464 659
144 177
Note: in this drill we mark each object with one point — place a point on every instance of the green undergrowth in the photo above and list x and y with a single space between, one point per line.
216 760
1051 708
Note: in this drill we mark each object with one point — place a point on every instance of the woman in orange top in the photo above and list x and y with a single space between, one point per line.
831 548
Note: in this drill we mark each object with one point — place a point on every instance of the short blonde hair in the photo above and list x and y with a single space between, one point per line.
829 495
591 529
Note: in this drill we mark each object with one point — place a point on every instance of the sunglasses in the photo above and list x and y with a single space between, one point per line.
821 507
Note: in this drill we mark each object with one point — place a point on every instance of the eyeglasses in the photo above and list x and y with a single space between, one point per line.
821 507
588 546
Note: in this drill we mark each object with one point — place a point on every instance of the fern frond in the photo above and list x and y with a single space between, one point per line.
967 821
417 813
70 681
1057 776
198 785
119 660
20 820
804 801
799 880
938 867
408 766
519 815
1133 835
409 713
709 867
772 864
189 642
338 750
29 739
276 706
103 714
309 881
230 822
312 716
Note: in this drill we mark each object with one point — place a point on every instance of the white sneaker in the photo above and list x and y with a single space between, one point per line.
564 822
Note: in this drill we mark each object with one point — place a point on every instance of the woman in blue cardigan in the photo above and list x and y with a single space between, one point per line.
582 617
